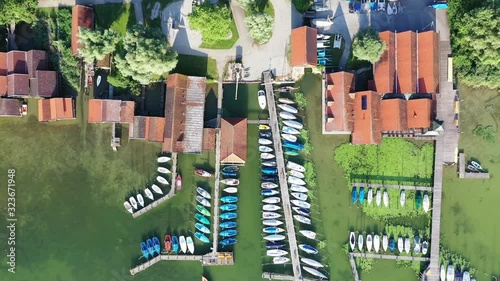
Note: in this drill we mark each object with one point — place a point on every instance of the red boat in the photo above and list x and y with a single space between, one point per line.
202 173
168 243
178 182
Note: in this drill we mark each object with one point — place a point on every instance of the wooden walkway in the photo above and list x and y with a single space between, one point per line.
388 257
217 170
258 122
275 276
406 187
285 197
354 268
467 175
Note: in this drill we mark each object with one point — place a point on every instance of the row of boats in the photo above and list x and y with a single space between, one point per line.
473 166
150 247
421 199
181 244
448 274
388 243
229 206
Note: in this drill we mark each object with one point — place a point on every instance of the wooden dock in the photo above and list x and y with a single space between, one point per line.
467 175
405 187
354 268
217 170
258 122
275 276
388 257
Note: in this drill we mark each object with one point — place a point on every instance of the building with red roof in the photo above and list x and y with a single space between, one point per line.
304 46
148 128
233 140
55 109
385 69
406 65
18 85
3 64
111 111
339 103
428 62
393 114
10 107
419 113
366 118
82 16
16 62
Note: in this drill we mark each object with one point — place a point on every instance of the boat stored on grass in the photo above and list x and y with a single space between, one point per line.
273 222
360 242
203 192
202 228
228 224
354 194
264 127
425 247
144 250
299 196
140 199
293 124
289 137
376 243
291 151
302 219
290 130
272 230
442 274
202 173
271 207
263 141
201 218
266 156
228 242
392 245
228 233
228 216
156 189
229 199
407 245
271 200
385 242
163 170
274 237
287 115
418 199
263 148
168 243
402 198
268 185
308 249
190 244
203 210
298 188
269 171
275 245
450 273
149 194
301 204
156 245
311 262
280 260
228 207
128 207
286 101
231 190
163 159
370 196
296 174
288 108
270 215
203 201
269 163
386 198
378 197
161 180
182 244
302 211
272 178
308 233
426 203
175 244
151 247
276 253
293 145
314 272
294 166
294 180
267 192
400 244
416 248
133 202
230 182
352 240
361 195
369 242
200 236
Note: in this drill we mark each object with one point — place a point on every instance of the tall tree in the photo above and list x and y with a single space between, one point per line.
14 11
146 55
97 43
367 45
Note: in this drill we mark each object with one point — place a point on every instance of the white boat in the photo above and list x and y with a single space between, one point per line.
416 248
233 182
263 148
298 188
99 80
182 244
263 141
261 96
309 234
273 230
274 237
231 189
280 260
301 211
266 156
161 180
308 249
287 115
294 180
290 130
450 273
386 198
293 124
400 245
190 244
156 189
133 202
286 101
203 201
271 200
149 194
140 199
302 219
299 196
360 242
289 137
276 253
163 159
271 207
370 196
269 163
385 242
127 206
352 240
288 108
425 247
297 174
311 262
268 185
203 192
294 166
426 203
378 197
407 245
272 222
369 242
270 215
402 198
314 272
163 170
376 243
301 204
442 274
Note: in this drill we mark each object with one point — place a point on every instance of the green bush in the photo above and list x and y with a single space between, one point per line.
487 133
213 21
302 5
459 262
368 46
260 27
310 175
305 138
365 264
301 100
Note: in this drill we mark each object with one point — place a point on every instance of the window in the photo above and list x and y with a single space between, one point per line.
364 102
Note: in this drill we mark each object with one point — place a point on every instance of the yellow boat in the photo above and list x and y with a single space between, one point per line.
264 127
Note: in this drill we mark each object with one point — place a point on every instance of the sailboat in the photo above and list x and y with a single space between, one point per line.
127 206
276 253
308 233
378 197
314 272
271 200
272 229
402 198
294 180
133 202
302 211
294 166
163 170
293 124
302 219
261 97
149 194
270 215
311 262
280 260
475 164
299 196
268 185
287 115
161 180
290 130
308 249
271 207
286 101
289 137
288 108
298 188
274 237
190 244
273 222
140 199
426 203
182 244
352 240
376 243
163 159
263 141
156 189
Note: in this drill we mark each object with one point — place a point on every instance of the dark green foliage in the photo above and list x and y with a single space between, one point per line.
302 5
14 11
213 21
368 46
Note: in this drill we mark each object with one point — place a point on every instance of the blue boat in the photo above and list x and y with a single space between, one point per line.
269 178
156 244
228 242
201 218
302 211
272 230
275 245
228 224
144 249
231 169
151 247
229 199
201 227
269 171
230 174
269 192
439 5
361 195
291 152
228 216
228 207
228 233
175 244
293 145
392 245
200 236
354 194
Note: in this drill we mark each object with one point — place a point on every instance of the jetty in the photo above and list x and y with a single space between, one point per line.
285 197
469 175
388 257
405 187
275 276
217 170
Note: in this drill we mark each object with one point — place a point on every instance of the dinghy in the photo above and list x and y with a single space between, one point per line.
291 151
163 170
352 240
311 262
426 203
203 192
442 274
272 230
293 145
267 192
370 196
280 260
302 211
269 171
271 200
361 195
231 169
168 243
287 115
315 272
290 130
268 185
425 247
149 194
201 218
309 234
369 242
203 210
360 242
231 190
289 137
271 208
270 215
228 207
182 244
133 202
376 243
228 242
392 245
466 276
416 241
400 245
263 148
378 197
275 245
163 159
294 180
450 273
200 236
354 195
229 199
190 244
294 124
288 108
228 233
161 180
272 222
386 198
128 207
472 168
267 156
299 196
156 244
407 245
274 237
301 204
151 247
156 189
261 97
178 182
302 219
202 228
286 101
385 243
308 249
402 198
228 216
298 188
297 174
203 201
140 199
263 141
475 164
265 134
418 199
202 173
269 163
276 253
175 244
230 182
264 127
228 224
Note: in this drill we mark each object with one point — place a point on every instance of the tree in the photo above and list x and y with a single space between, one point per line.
367 45
145 56
260 27
97 43
213 21
14 11
247 4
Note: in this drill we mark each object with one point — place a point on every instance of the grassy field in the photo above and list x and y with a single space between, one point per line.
196 66
118 17
224 44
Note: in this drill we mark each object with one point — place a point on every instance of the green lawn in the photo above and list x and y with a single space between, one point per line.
224 44
197 66
246 105
115 16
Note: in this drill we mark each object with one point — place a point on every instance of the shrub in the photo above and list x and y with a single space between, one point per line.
487 133
301 100
302 5
260 27
213 21
365 264
367 45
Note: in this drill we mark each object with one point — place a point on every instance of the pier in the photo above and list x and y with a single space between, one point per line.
163 199
388 257
405 187
354 268
467 175
217 169
275 276
285 197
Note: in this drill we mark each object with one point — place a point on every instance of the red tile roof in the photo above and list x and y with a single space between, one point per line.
18 85
366 118
55 109
304 46
233 140
393 114
406 67
10 107
16 62
3 64
3 85
428 62
82 16
127 109
385 68
36 60
339 106
101 111
209 139
419 113
147 127
46 84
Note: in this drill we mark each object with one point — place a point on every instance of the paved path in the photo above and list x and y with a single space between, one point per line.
354 268
388 257
408 187
217 170
285 197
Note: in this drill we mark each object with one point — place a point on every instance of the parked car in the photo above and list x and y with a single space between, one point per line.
24 109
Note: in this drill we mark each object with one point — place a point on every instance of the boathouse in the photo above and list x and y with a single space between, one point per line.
233 141
55 109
